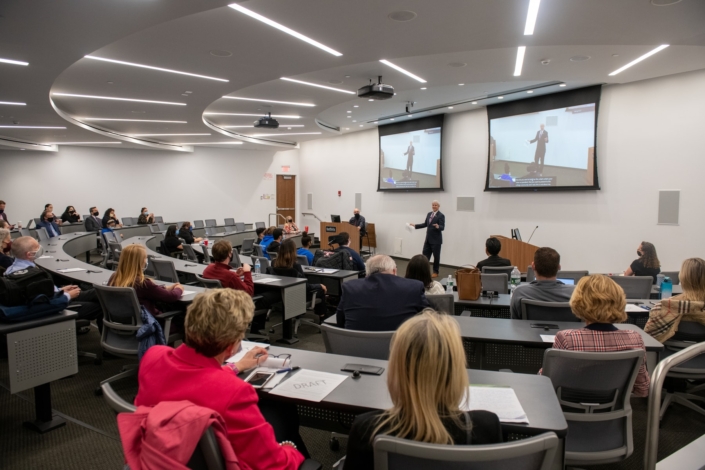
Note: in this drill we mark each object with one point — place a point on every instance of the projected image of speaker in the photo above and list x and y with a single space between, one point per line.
544 143
410 155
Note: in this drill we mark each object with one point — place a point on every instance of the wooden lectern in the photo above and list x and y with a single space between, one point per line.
520 254
329 229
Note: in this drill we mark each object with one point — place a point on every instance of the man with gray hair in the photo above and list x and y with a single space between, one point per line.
381 301
434 224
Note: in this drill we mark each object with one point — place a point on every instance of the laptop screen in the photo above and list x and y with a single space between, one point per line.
567 281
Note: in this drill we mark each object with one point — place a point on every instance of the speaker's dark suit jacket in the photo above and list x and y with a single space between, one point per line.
434 236
380 302
540 143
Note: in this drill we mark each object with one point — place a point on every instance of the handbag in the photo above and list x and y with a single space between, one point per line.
469 283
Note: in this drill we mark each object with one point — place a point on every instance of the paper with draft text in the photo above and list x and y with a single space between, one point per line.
635 308
309 385
548 338
502 401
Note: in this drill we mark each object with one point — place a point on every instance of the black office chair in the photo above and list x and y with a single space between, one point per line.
160 219
229 222
165 271
198 224
209 283
260 225
547 311
247 247
240 226
210 223
206 254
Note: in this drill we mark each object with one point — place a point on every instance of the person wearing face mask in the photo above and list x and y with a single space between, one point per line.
647 264
70 215
145 217
48 221
110 215
26 250
6 246
358 221
3 216
290 226
50 208
130 273
93 223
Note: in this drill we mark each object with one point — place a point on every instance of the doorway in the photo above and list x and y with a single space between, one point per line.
286 197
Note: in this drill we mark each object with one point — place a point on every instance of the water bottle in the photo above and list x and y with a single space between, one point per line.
515 279
449 285
666 288
257 266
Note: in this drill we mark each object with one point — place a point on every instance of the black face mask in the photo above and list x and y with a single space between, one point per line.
50 219
357 216
95 214
639 253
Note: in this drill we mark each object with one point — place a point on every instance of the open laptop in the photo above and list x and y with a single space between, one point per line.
567 281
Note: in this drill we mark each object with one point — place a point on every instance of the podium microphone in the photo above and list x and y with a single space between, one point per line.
532 234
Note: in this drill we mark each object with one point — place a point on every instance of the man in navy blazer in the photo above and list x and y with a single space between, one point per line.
382 301
434 224
47 221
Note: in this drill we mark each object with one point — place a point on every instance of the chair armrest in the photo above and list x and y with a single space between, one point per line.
167 315
255 298
310 464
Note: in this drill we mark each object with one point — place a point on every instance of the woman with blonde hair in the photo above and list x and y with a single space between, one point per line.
427 382
600 302
216 322
665 317
130 273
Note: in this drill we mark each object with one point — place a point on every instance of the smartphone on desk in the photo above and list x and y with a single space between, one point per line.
259 379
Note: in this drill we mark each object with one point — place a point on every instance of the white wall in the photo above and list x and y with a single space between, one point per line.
649 138
208 183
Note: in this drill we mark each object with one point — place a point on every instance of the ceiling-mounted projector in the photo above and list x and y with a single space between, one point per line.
267 122
376 91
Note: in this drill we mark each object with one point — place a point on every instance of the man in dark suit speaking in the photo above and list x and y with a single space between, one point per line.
541 141
435 224
411 151
381 301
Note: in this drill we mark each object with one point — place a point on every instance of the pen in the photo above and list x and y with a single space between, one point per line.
289 369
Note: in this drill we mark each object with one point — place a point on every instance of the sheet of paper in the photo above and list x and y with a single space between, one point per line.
502 401
265 280
635 308
45 256
246 346
188 292
409 227
548 338
309 385
70 270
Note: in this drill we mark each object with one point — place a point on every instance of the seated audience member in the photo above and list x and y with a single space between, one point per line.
145 217
381 301
110 215
273 246
3 216
419 269
533 171
546 288
70 215
110 228
285 265
427 382
666 315
600 302
4 224
290 226
172 242
50 208
492 247
93 223
130 273
267 238
48 221
215 325
25 251
260 235
6 247
647 264
305 249
186 232
344 242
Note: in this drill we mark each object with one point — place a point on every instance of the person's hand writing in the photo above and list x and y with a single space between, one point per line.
253 358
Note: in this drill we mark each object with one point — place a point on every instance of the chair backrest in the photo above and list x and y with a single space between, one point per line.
240 226
534 453
160 219
210 223
210 231
530 274
547 311
302 260
444 303
229 222
574 275
164 270
260 225
162 226
198 224
367 344
154 228
42 234
85 217
495 282
259 251
263 262
126 221
635 287
189 252
674 275
272 255
209 283
247 246
498 270
689 333
25 232
235 263
121 319
206 254
115 250
111 237
207 455
586 382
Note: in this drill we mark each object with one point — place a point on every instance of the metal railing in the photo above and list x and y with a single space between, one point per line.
276 219
657 379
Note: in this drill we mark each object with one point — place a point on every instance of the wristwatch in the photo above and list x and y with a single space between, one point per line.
288 443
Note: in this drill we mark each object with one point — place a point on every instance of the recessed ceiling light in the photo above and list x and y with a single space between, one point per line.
230 142
159 135
349 111
319 86
269 101
109 83
335 81
188 92
288 133
82 143
356 106
132 64
405 72
117 99
474 102
461 84
520 60
354 120
12 103
361 125
530 91
257 115
423 88
402 15
348 117
450 107
500 97
129 120
220 53
562 85
370 100
251 126
579 58
15 62
391 119
22 149
184 94
32 127
531 17
283 28
347 128
639 59
664 3
138 112
375 122
457 65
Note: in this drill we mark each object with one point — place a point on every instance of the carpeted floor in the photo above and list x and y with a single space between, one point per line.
90 438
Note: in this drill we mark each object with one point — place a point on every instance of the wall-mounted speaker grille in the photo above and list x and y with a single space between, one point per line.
466 204
358 200
309 201
668 207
